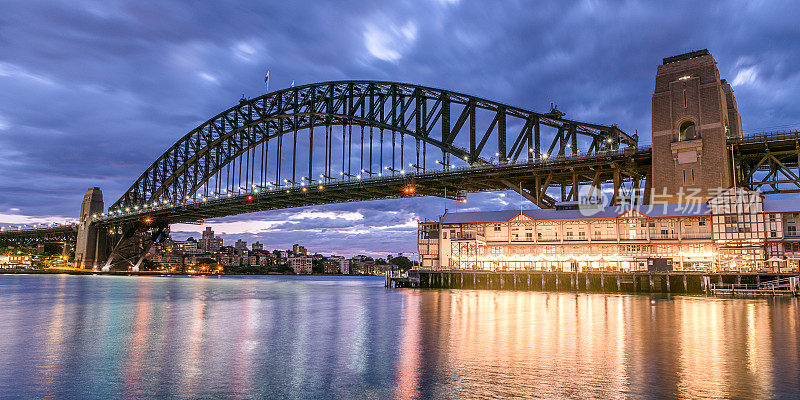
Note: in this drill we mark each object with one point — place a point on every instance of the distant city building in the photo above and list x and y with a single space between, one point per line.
301 264
336 265
240 247
299 250
209 242
15 261
257 246
361 265
186 246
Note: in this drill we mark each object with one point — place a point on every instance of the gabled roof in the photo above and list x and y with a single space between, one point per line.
479 216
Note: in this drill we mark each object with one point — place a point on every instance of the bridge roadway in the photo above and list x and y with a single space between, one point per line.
50 234
760 159
453 184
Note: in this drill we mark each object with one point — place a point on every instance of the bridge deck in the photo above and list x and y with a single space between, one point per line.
453 182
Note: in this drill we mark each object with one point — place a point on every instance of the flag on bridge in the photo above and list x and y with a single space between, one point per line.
266 80
292 82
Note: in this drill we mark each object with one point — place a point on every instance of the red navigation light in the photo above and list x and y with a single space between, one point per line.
250 197
148 220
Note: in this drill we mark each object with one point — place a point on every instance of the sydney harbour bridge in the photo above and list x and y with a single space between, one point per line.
345 141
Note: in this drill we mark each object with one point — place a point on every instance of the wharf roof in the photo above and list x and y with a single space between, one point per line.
781 205
652 211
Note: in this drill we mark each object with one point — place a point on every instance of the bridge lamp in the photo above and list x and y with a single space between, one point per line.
304 189
358 176
320 187
250 197
402 171
148 220
255 190
287 191
380 173
497 154
321 175
204 199
544 155
127 209
229 195
341 173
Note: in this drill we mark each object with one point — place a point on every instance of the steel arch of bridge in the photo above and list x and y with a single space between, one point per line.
473 130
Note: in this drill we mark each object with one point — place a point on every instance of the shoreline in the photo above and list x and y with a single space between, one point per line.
54 271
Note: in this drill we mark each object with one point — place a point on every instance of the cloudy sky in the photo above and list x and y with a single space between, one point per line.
91 92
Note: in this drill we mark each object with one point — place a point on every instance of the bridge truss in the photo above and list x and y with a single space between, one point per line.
345 132
768 162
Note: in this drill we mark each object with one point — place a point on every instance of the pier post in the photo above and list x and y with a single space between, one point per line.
652 285
668 283
557 285
685 284
542 280
602 282
619 284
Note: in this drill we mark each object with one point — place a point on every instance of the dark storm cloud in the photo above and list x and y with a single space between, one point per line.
92 92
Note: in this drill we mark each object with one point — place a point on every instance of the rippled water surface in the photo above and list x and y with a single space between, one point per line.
340 337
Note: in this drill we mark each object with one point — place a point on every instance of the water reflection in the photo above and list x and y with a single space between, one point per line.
314 337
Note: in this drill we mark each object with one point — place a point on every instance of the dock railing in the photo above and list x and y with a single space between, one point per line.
778 287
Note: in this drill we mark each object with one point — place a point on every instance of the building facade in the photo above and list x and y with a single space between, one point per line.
737 230
301 264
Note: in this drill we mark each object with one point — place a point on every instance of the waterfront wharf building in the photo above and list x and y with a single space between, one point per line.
738 230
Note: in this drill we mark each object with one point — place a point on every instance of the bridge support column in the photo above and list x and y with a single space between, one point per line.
90 244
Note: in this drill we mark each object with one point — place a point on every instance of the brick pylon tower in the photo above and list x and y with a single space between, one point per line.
694 113
90 244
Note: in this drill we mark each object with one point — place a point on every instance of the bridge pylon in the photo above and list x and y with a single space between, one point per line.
90 246
694 115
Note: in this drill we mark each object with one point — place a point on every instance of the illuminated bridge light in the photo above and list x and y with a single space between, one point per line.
250 197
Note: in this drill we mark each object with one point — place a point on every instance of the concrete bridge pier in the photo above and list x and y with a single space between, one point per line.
90 247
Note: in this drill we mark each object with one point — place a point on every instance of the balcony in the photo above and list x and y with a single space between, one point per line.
600 238
468 235
695 235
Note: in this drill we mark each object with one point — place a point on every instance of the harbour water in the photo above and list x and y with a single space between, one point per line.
287 337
